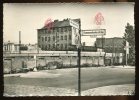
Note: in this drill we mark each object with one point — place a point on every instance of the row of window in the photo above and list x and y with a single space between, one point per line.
54 38
60 29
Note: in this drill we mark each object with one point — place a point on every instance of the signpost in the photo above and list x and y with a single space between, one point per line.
78 44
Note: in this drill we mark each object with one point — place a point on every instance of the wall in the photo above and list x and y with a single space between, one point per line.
67 61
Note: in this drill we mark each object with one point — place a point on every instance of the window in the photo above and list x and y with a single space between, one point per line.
42 39
65 46
53 38
69 28
45 38
69 37
61 29
49 46
65 29
46 47
49 39
61 46
57 37
69 44
53 45
61 37
65 37
57 30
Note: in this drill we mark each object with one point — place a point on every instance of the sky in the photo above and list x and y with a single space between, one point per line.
28 17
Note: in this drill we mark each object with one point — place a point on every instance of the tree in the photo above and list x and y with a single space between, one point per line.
129 36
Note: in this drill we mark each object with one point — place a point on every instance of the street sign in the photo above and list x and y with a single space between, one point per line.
94 32
77 40
74 24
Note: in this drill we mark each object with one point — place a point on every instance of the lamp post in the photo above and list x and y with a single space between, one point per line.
79 61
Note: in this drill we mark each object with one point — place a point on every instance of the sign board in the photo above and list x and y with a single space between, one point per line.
76 37
74 23
127 47
94 32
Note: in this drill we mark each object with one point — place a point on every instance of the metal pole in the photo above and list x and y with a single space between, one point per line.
112 50
56 41
19 41
79 59
11 66
79 72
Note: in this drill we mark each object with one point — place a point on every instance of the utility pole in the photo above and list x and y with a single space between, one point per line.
112 50
19 42
79 61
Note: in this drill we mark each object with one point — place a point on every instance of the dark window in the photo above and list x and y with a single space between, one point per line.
69 37
65 29
65 37
45 38
46 47
61 46
69 28
65 46
49 38
53 45
49 46
61 29
57 38
53 38
57 30
42 39
69 44
61 37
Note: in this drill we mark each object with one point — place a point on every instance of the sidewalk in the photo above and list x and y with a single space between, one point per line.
128 67
126 89
25 90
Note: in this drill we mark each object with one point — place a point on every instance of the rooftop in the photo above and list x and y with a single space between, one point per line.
64 22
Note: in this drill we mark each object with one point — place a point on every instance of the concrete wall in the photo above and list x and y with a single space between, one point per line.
17 62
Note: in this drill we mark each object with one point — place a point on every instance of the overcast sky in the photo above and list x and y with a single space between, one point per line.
27 18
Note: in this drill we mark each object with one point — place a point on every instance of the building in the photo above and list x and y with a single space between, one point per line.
59 37
10 47
114 49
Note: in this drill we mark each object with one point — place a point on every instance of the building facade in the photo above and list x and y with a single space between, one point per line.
59 37
114 49
10 47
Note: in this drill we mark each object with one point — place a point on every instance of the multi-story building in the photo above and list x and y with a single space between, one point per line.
59 37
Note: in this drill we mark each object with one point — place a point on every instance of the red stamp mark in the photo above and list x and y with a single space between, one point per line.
49 24
99 19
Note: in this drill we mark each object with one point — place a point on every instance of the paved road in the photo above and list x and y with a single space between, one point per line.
68 78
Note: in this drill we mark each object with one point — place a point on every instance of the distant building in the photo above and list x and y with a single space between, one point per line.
110 45
10 47
60 36
114 49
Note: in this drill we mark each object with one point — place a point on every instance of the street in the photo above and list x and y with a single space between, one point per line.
68 78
